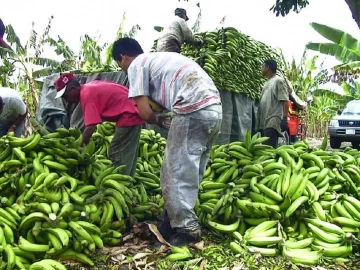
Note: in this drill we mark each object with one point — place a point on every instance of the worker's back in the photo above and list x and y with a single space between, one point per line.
174 36
174 30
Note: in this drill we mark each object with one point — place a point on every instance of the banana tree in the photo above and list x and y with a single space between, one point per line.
351 91
23 65
302 76
343 46
120 34
321 110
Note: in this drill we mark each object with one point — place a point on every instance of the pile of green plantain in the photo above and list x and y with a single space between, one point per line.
60 201
295 200
233 60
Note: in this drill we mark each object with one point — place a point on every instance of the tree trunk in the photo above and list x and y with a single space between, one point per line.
354 6
313 130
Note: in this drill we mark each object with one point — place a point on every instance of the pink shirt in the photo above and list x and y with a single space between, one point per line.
106 101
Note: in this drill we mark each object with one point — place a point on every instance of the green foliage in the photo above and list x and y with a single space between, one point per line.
284 7
344 47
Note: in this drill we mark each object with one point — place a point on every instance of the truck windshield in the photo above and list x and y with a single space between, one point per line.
352 108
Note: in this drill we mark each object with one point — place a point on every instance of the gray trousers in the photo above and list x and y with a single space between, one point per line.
273 136
189 142
124 148
4 127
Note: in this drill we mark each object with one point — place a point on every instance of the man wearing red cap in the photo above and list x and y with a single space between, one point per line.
106 101
2 33
176 33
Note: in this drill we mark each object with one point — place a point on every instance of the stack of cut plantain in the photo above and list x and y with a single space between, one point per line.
296 200
233 60
60 201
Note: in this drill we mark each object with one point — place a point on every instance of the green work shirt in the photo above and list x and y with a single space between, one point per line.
270 109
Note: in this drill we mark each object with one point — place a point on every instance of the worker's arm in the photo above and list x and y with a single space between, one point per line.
91 115
282 95
17 122
139 80
188 34
285 106
20 109
145 110
88 132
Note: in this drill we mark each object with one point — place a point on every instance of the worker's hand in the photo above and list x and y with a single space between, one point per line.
284 124
163 120
11 129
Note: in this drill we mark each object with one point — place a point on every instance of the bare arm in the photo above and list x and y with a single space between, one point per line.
145 110
283 96
89 130
285 105
18 121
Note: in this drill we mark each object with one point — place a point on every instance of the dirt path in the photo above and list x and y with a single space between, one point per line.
315 142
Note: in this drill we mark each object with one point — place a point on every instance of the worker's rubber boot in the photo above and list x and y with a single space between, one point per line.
184 238
164 226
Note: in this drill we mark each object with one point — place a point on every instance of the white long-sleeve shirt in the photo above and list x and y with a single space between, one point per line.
177 30
173 81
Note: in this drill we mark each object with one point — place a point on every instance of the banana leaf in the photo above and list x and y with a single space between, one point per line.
352 66
338 37
325 93
45 62
158 28
341 53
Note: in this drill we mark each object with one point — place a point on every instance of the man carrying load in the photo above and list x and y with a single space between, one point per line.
181 86
105 101
176 33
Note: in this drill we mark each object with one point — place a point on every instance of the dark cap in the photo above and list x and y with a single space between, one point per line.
2 33
181 11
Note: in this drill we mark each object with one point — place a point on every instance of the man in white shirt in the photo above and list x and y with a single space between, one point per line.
176 33
181 86
12 112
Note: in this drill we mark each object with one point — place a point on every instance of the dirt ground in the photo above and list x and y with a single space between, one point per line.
315 142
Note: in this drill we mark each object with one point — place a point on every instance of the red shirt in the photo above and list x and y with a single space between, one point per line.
106 101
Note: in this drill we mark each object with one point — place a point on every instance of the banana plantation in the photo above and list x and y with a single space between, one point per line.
64 205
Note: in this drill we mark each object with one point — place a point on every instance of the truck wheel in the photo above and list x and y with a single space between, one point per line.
335 143
355 145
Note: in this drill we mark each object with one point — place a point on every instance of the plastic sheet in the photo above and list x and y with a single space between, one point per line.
238 115
51 113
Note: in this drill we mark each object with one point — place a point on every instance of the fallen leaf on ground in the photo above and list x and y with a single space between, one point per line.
158 235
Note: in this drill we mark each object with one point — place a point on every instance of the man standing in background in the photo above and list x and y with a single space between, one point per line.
12 112
105 101
274 105
176 33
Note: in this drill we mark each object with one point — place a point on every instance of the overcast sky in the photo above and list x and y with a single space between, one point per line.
73 18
